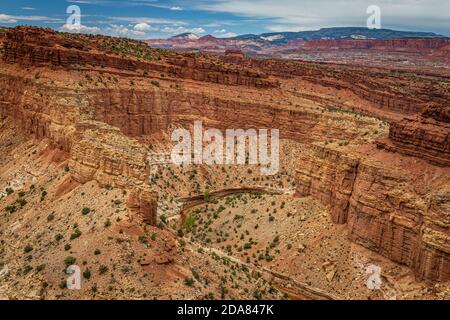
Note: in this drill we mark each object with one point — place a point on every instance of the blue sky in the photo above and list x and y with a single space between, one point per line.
144 19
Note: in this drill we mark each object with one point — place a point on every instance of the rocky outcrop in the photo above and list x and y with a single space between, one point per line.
396 45
426 136
102 153
144 203
328 176
141 112
38 47
390 91
383 209
39 109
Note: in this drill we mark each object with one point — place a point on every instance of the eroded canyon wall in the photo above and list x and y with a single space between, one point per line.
385 206
37 47
382 205
425 135
141 112
423 46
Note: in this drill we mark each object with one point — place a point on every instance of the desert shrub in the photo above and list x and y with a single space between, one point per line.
189 282
22 202
143 239
76 234
87 274
10 209
40 267
190 221
69 260
107 223
103 269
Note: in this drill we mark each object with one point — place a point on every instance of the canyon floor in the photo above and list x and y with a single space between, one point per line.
364 177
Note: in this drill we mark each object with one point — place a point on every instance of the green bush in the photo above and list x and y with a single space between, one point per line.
69 260
87 274
11 209
40 267
189 282
75 235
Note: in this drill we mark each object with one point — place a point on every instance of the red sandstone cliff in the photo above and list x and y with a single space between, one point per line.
426 136
37 47
382 206
387 206
402 45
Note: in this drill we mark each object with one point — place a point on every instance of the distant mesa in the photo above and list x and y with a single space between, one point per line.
284 43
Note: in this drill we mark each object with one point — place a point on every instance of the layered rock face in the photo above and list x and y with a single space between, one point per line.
387 209
138 112
144 203
402 45
426 136
382 207
102 153
333 184
41 110
396 92
37 47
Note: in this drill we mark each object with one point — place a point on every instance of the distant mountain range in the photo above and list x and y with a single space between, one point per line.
270 44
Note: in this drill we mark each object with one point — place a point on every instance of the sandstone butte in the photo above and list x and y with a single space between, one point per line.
375 141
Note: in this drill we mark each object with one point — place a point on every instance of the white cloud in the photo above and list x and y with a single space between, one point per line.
222 33
74 28
229 35
176 8
147 20
111 30
286 28
6 18
178 30
144 27
28 8
123 31
313 14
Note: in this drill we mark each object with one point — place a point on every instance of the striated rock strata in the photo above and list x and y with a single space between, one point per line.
382 206
102 153
37 47
426 136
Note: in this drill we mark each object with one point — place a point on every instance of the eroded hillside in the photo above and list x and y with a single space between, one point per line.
364 175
